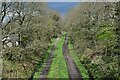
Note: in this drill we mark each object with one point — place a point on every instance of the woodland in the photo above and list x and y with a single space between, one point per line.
37 42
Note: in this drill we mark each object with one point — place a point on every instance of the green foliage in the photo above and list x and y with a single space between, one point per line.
105 35
91 27
35 26
106 32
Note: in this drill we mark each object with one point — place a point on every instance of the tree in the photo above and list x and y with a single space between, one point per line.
35 26
91 27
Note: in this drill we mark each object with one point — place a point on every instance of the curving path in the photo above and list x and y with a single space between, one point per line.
74 73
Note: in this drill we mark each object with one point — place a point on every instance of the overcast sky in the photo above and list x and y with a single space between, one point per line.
62 7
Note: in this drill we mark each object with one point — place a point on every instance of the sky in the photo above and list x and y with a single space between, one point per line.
62 7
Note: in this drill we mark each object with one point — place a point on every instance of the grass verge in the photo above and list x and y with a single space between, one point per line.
58 68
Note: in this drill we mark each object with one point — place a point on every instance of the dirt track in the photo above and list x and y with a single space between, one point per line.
45 71
74 73
48 63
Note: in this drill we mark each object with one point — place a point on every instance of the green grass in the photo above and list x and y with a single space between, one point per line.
37 73
78 63
58 68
